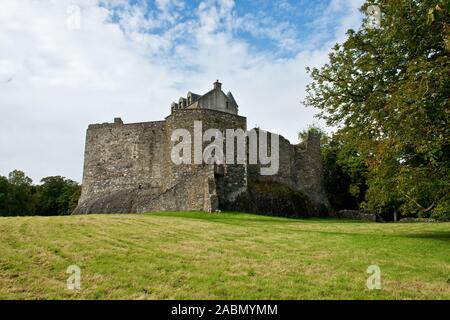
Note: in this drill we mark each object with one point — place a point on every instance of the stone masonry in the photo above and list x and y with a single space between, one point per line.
128 167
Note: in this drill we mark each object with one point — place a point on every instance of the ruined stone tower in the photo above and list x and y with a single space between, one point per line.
129 168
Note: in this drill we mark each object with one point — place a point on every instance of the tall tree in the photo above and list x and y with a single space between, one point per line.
21 194
345 173
56 195
388 89
3 195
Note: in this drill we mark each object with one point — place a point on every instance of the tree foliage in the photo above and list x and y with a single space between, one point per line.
54 196
388 90
20 195
345 173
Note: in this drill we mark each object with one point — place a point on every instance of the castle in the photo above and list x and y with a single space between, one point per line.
128 168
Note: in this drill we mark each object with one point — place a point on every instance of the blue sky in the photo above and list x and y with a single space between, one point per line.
279 28
131 59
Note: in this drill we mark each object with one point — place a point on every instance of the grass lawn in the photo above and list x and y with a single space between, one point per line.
220 256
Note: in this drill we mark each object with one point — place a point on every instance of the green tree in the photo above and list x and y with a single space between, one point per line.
19 178
315 129
57 195
21 195
345 173
388 88
3 195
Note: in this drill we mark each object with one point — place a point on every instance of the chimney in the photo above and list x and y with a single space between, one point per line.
217 85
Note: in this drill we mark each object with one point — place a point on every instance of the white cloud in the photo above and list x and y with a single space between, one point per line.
55 81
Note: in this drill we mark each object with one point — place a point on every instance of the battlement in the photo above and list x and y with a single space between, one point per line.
118 122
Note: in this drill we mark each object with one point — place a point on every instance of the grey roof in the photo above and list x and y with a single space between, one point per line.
230 96
195 96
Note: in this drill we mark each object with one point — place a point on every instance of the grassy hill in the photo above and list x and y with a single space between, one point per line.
220 256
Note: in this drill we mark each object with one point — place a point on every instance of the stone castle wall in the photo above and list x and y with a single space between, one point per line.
196 192
300 168
228 178
307 169
122 157
128 168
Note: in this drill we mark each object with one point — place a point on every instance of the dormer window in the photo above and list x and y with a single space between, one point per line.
209 100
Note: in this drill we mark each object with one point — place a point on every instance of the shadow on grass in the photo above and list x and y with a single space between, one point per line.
238 218
248 219
436 235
